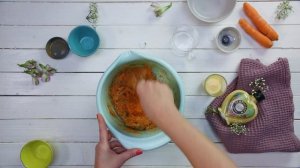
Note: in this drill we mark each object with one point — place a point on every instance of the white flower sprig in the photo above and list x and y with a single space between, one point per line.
238 129
284 9
92 17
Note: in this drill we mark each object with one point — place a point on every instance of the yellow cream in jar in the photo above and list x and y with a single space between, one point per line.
215 85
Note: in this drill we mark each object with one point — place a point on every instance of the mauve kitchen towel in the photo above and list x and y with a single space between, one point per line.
273 129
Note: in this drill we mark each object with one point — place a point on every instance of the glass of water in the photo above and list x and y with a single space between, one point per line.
184 40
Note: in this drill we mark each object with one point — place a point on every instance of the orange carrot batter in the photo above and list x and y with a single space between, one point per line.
125 99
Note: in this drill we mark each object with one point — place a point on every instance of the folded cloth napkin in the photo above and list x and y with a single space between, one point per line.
272 130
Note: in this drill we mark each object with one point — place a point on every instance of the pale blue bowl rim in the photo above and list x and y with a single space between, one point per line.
127 141
80 54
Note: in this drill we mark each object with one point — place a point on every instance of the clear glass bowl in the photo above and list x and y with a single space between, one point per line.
184 40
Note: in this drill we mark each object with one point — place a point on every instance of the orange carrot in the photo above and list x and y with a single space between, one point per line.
259 22
256 35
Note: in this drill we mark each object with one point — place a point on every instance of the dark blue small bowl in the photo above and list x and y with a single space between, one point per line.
83 41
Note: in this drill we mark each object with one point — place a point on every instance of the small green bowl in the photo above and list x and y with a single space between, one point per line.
36 154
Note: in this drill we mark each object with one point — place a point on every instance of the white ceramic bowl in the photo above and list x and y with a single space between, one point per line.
149 139
211 10
235 38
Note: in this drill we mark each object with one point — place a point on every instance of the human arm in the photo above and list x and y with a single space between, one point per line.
158 104
109 152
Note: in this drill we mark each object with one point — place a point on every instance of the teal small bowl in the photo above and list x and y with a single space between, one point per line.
83 41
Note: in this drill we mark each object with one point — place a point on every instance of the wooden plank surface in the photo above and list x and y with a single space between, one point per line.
123 14
83 154
183 166
76 130
84 107
120 1
71 130
63 111
205 60
134 37
86 84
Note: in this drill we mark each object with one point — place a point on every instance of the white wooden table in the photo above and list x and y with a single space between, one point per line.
63 110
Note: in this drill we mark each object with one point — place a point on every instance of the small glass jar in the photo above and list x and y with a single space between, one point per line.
184 40
215 85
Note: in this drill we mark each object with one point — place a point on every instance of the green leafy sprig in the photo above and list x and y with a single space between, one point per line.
284 9
92 17
37 71
159 10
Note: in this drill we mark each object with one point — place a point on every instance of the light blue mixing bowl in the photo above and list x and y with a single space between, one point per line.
83 41
149 139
